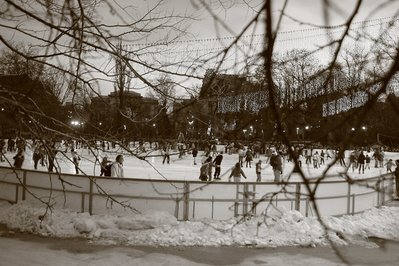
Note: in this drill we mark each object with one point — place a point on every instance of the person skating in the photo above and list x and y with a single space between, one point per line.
322 155
195 153
75 160
241 155
36 157
352 161
396 174
277 164
105 167
236 173
51 153
316 159
204 169
19 159
248 158
368 160
117 167
258 170
217 163
166 154
2 149
389 165
361 160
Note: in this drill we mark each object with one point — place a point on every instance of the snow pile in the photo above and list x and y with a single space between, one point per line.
278 228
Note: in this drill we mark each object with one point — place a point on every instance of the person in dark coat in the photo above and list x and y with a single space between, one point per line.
217 163
277 164
105 170
51 153
396 173
36 157
2 149
19 159
195 153
204 169
361 159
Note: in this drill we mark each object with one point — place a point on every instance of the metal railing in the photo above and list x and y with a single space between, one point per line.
191 199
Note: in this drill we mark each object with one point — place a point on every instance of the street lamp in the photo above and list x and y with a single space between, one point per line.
75 123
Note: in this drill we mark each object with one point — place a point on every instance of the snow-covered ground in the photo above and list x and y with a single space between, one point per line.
287 228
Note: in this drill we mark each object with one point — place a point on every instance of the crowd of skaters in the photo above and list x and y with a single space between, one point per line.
44 153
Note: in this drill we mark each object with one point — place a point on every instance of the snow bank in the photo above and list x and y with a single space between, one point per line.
278 228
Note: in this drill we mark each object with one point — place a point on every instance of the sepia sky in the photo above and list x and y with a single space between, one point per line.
213 24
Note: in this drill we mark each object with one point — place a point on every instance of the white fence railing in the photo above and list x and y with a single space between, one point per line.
190 199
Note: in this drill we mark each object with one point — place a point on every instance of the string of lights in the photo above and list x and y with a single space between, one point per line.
364 24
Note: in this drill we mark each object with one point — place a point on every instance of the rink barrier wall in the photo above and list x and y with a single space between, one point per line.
188 200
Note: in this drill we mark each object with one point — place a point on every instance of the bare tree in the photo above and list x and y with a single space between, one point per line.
74 39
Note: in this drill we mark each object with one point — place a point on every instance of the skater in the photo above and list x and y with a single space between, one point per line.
316 158
248 158
389 165
51 157
241 155
204 169
376 157
396 173
276 163
105 167
308 156
2 149
166 154
381 158
360 160
19 159
352 161
341 157
258 167
195 153
368 159
217 162
76 160
117 167
322 155
36 157
236 173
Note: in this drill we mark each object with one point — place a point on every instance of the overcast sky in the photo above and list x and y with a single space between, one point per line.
233 15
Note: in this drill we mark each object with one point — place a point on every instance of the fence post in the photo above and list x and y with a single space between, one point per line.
390 188
382 184
298 197
245 200
186 202
254 203
91 195
177 208
236 202
213 202
348 208
353 204
24 186
307 207
16 193
82 206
